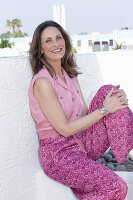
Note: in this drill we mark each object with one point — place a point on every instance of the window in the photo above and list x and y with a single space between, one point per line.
79 43
130 46
90 43
124 46
96 46
105 46
111 43
96 43
104 42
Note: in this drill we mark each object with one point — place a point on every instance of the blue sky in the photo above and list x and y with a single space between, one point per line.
81 15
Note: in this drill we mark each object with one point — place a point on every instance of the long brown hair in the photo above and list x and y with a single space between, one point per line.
37 59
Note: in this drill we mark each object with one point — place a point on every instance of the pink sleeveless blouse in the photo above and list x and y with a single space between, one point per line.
69 98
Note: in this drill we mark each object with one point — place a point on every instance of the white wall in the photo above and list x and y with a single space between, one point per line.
18 138
117 68
91 77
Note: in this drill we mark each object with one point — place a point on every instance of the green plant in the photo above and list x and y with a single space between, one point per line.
75 51
117 46
5 43
14 25
14 29
6 35
19 33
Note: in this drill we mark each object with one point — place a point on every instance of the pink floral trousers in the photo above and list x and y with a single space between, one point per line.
72 160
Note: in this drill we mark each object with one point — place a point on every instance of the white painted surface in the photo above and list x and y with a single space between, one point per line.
21 176
117 68
91 78
18 139
48 189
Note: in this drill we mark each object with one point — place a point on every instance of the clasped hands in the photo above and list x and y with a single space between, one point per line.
115 100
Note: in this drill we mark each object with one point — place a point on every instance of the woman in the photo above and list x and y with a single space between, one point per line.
72 137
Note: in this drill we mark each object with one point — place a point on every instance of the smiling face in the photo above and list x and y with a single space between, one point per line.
52 44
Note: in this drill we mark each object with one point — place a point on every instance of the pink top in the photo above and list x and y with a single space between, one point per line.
68 95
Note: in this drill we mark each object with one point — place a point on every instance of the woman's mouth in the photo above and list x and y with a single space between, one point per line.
56 50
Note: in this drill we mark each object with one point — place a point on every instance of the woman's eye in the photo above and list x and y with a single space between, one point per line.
47 41
59 37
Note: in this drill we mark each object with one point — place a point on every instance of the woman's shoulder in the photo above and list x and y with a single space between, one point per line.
42 73
42 84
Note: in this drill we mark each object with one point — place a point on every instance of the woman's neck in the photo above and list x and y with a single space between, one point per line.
57 67
58 70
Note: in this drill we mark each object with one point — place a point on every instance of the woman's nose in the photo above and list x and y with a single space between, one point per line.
55 42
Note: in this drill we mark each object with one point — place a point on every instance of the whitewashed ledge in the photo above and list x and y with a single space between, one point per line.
21 176
17 50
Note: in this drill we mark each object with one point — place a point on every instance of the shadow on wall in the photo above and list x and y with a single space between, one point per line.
91 78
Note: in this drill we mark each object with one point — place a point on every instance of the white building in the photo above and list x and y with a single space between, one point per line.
98 41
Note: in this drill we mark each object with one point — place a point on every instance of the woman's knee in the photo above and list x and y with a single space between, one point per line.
106 88
98 99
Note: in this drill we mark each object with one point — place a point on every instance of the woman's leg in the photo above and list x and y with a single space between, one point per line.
115 130
63 161
99 183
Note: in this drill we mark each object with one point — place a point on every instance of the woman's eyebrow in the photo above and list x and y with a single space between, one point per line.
58 35
51 37
47 38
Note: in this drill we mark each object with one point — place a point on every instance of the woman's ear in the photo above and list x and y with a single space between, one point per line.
42 53
41 50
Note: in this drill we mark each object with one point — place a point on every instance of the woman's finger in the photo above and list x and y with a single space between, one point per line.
117 86
117 90
121 93
110 92
123 98
124 106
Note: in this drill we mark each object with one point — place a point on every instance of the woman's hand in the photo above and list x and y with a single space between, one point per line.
117 101
121 94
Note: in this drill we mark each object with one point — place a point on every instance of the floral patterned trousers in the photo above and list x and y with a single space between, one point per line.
72 160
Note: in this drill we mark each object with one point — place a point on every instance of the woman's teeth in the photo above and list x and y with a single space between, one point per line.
57 50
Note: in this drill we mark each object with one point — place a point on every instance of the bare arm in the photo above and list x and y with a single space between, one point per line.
52 109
